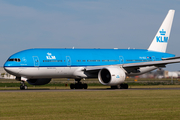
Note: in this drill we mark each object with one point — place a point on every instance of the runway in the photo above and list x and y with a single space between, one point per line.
80 90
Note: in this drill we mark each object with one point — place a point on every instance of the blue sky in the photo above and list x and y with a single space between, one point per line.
28 24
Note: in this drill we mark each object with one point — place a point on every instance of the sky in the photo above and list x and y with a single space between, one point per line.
26 24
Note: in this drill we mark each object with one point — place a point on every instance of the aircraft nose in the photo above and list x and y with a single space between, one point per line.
11 70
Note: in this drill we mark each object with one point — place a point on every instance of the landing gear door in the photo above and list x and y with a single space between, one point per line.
121 59
68 59
36 61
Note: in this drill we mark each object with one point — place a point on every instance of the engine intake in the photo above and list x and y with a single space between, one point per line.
111 76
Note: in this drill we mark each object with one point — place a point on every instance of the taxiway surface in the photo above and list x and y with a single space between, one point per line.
73 90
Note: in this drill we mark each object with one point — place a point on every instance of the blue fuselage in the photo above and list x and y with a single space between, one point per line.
81 57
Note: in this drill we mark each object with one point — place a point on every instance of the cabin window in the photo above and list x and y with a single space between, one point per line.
110 60
52 60
139 60
93 60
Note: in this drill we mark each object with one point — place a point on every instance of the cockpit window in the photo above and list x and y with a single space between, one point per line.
14 59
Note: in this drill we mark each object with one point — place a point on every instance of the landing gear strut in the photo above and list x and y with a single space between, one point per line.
23 86
78 85
121 86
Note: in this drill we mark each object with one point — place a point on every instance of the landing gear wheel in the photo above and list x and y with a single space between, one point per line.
23 86
121 86
78 85
124 86
72 86
114 87
85 86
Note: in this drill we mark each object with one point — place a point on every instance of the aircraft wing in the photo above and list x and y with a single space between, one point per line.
162 63
170 58
152 63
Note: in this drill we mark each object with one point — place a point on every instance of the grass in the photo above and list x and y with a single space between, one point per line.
88 105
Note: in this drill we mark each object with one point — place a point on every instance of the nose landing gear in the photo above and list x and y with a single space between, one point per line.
23 86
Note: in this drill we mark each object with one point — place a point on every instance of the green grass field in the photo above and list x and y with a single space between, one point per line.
88 105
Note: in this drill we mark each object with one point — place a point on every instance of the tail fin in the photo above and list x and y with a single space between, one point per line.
160 41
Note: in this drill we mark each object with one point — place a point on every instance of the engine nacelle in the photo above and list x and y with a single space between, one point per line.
39 81
111 76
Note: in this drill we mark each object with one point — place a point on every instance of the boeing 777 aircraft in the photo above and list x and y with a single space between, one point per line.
110 66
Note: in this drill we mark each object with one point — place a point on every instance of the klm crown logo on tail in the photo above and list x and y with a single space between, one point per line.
162 38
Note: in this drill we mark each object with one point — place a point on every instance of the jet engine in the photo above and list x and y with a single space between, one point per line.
39 81
111 76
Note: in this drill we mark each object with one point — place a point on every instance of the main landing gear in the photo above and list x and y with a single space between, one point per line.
23 86
121 86
78 85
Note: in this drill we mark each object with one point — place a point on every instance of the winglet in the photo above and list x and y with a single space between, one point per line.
161 39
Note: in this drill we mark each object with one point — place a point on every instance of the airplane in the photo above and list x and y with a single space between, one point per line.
111 66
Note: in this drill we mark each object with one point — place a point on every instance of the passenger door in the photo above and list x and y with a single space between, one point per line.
153 58
121 59
68 59
36 61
